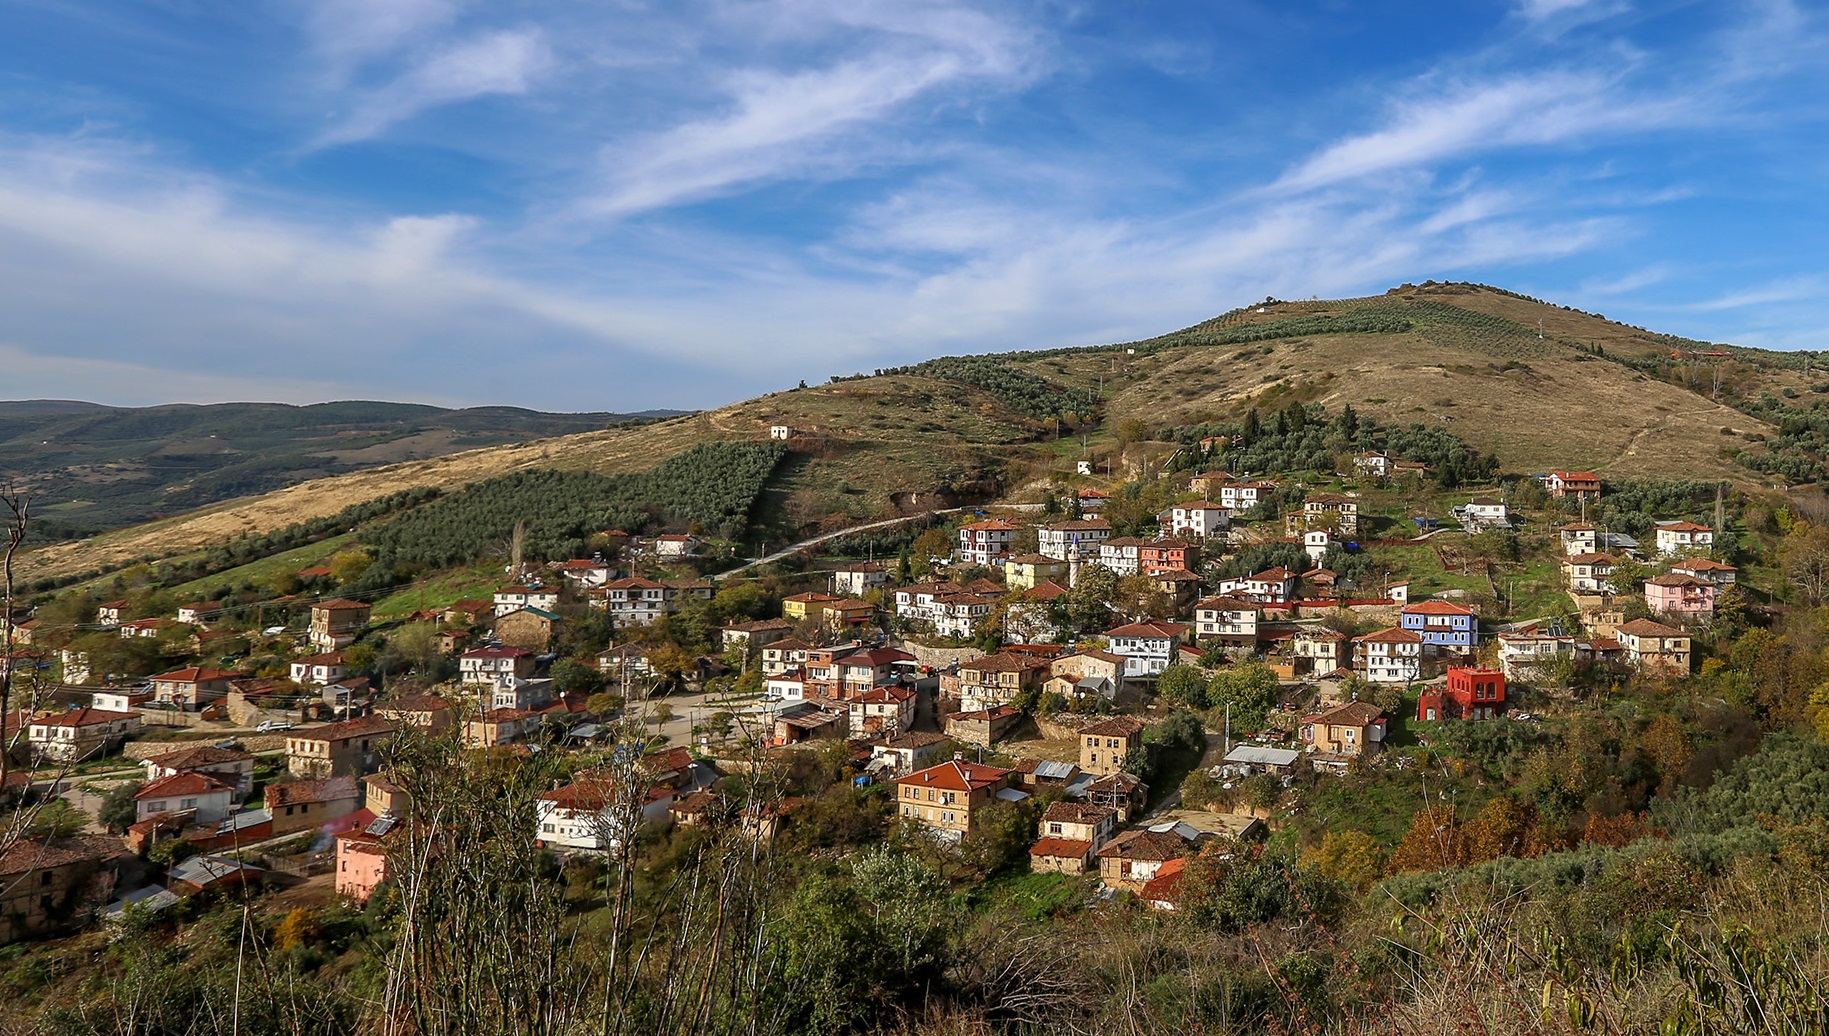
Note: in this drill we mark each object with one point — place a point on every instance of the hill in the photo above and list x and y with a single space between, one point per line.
1538 385
92 467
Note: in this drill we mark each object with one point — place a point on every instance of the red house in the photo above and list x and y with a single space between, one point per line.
1469 694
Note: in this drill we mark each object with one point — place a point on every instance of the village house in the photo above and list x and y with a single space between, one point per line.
858 578
997 679
1060 539
514 598
1148 647
905 753
1390 655
1445 628
1654 648
1588 573
109 615
1530 656
1124 792
1119 554
592 812
206 797
785 655
469 612
494 728
337 623
984 727
306 805
433 713
1232 620
986 542
50 884
1579 538
1271 586
1330 512
1086 673
1319 650
847 614
521 694
1468 693
1674 538
226 764
362 860
198 613
948 798
1719 573
882 711
1132 858
1199 519
946 609
1026 571
807 721
1167 555
1091 501
349 748
531 628
1030 618
1680 597
635 601
488 666
752 637
1106 747
1581 485
586 574
1243 496
77 734
1069 834
1373 462
136 628
1482 513
677 545
323 668
803 607
191 688
1355 728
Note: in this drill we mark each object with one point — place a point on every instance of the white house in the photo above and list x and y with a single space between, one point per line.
1056 539
859 577
212 797
1201 519
591 814
514 598
677 545
983 543
1147 647
1391 655
1120 555
495 665
1271 586
1675 538
1589 573
320 669
1231 619
1527 656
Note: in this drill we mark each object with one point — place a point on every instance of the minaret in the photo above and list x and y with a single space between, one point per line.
1073 565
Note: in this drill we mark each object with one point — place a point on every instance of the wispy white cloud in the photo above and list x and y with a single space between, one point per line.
493 63
346 32
1470 117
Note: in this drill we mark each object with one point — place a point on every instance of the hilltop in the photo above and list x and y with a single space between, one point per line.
1538 385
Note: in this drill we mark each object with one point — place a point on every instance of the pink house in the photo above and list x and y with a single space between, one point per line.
1680 595
361 864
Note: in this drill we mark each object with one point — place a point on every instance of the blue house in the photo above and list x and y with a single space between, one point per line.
1443 626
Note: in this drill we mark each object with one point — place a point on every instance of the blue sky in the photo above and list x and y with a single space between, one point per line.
616 205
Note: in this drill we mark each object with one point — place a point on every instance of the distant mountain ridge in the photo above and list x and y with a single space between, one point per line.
92 467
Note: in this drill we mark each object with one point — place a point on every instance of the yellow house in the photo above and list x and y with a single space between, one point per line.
800 607
946 798
1027 571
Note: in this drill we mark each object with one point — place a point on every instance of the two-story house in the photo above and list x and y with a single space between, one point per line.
857 578
514 598
1680 597
1060 539
587 573
1148 647
1674 538
1271 586
1232 620
1320 650
1589 573
489 666
1027 571
949 798
1355 728
886 711
224 764
210 796
350 748
1199 519
1530 656
1243 496
1579 538
77 734
1328 512
191 688
1578 485
326 667
1069 834
1654 648
1468 693
1445 627
1119 554
997 679
784 655
1107 746
1166 555
1719 573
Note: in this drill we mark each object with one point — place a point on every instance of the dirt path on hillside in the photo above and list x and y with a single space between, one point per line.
1630 449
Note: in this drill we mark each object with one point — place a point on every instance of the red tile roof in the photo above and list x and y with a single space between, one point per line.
183 784
83 717
1062 848
956 775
